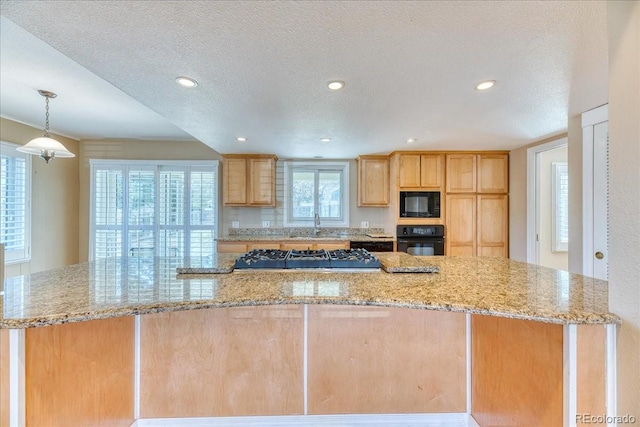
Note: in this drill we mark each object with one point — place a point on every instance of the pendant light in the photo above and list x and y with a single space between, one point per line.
45 146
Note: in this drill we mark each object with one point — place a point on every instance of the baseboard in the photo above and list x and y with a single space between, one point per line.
355 420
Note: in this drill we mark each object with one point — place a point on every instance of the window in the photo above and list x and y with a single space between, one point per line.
153 208
15 203
317 187
560 207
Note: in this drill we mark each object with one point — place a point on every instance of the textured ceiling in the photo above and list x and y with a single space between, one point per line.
409 67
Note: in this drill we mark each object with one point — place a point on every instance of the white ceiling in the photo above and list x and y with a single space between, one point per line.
409 67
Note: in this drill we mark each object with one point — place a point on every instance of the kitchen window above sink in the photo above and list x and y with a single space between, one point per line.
316 194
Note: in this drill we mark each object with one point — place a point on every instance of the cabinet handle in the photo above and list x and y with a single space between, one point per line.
599 255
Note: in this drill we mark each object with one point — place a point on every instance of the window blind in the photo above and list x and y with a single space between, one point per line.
15 203
153 209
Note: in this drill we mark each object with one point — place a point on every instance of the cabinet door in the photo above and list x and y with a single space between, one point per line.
373 182
262 175
232 247
409 170
461 173
298 246
431 172
493 225
234 181
332 246
263 245
493 173
461 225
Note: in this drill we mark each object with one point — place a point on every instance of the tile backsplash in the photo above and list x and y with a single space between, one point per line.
301 231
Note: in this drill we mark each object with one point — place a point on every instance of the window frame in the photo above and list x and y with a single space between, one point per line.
125 166
557 170
316 166
24 255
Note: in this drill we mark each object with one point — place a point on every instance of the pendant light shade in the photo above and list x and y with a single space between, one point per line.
45 146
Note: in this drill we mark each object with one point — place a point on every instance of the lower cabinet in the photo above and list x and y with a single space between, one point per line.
461 226
493 225
477 225
242 247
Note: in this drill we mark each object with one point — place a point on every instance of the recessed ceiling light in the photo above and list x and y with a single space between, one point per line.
487 84
325 139
411 140
186 81
336 85
241 139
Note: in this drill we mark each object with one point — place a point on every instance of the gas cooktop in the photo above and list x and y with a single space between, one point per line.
307 259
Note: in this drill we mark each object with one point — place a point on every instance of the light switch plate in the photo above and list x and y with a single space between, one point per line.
266 224
235 224
364 224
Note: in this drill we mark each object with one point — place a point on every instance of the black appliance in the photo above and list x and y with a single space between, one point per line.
279 259
420 204
372 246
421 239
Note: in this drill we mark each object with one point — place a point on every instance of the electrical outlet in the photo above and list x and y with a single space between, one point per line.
235 224
364 224
266 224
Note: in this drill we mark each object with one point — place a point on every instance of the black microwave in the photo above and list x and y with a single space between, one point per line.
419 204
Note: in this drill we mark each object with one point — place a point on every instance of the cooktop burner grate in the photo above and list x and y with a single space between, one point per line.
279 259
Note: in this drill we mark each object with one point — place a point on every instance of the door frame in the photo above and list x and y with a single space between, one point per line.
533 216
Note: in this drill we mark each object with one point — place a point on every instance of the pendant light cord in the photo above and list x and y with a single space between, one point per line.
46 122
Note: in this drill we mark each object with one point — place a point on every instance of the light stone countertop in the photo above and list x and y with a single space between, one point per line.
116 287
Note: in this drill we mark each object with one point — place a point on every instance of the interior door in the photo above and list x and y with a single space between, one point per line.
601 201
595 195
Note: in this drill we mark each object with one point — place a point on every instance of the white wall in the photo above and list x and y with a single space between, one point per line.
546 256
54 204
624 195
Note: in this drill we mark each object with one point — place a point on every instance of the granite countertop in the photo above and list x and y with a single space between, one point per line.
391 262
115 287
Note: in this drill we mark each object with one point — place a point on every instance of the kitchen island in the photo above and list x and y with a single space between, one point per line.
306 343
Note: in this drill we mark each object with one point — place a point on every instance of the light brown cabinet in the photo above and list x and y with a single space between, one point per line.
461 225
461 173
477 204
477 225
373 181
423 171
493 173
285 245
481 173
493 225
249 180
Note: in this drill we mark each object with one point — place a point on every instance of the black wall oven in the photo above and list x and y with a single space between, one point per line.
421 239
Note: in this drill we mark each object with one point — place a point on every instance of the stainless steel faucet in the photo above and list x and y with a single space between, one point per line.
316 227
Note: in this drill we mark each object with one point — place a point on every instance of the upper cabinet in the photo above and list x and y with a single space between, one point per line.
249 180
423 171
373 181
493 173
486 173
461 173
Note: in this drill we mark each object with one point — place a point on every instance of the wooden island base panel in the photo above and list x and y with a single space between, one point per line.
306 360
